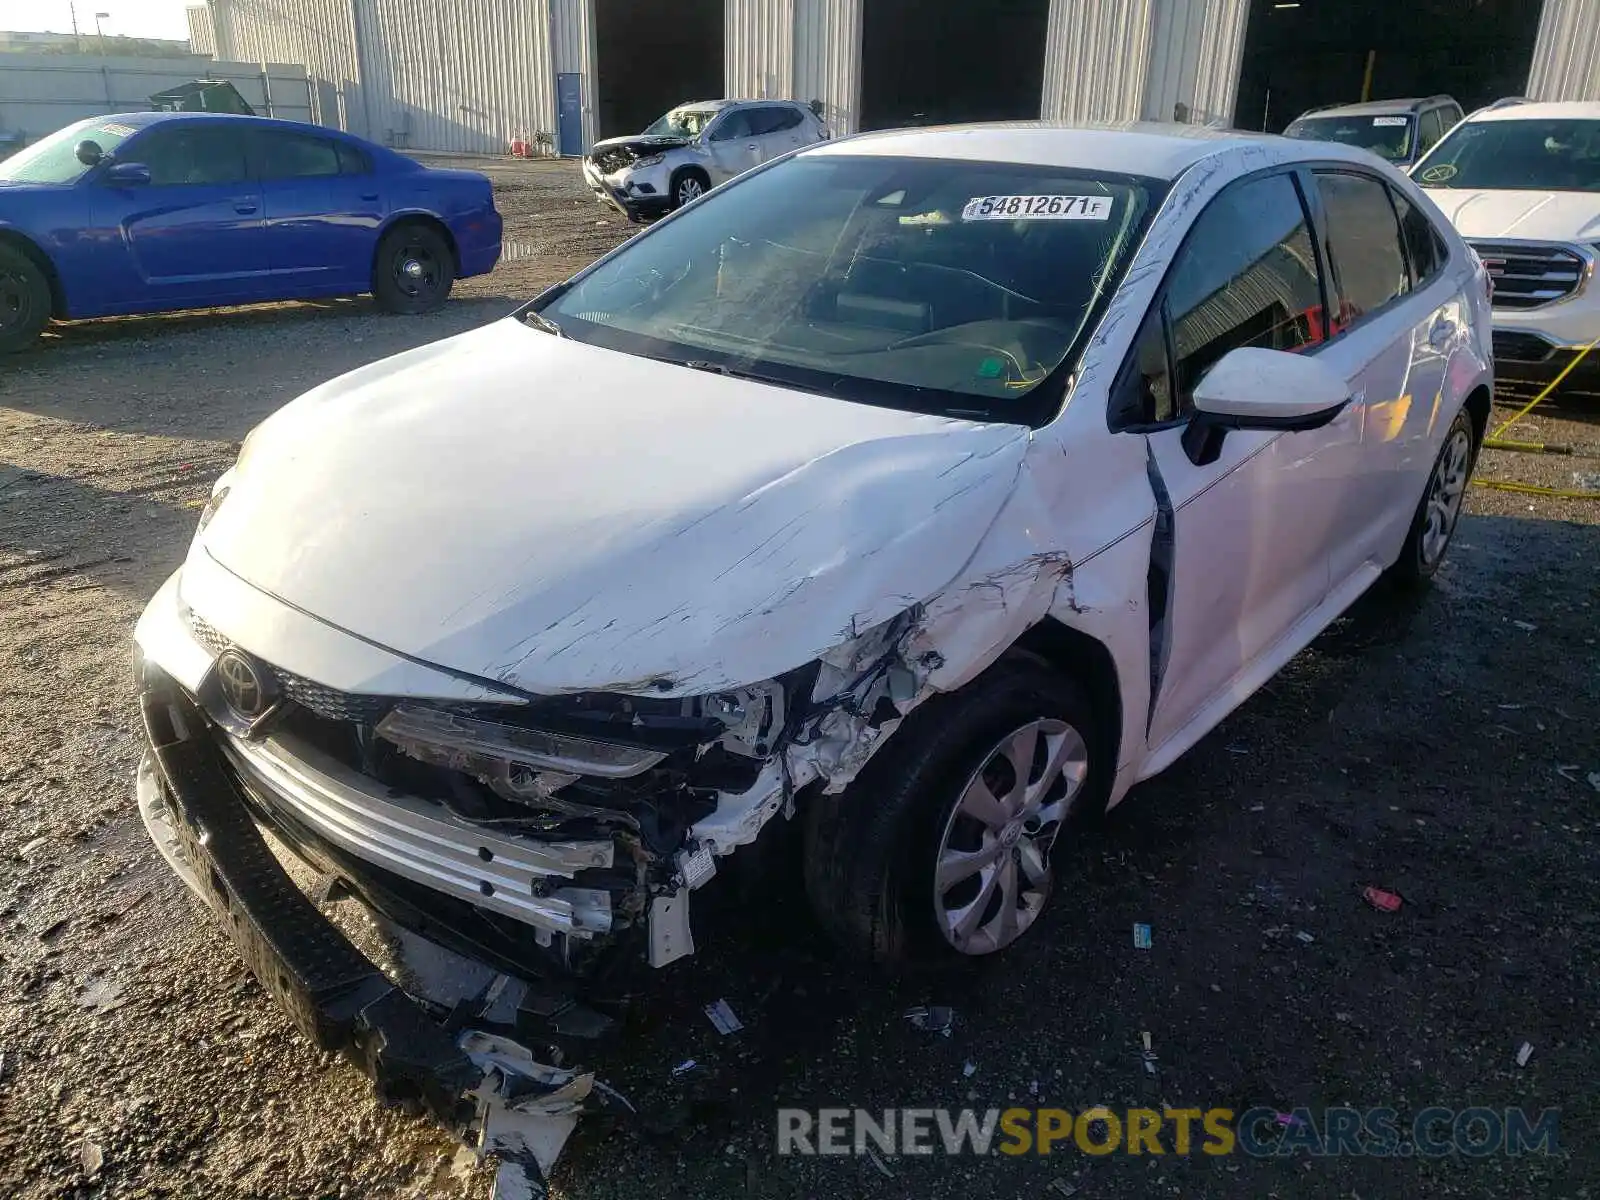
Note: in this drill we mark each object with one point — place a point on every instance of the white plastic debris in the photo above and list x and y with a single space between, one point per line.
969 1070
1524 1053
1305 937
1148 1055
723 1018
1594 780
1525 626
683 1068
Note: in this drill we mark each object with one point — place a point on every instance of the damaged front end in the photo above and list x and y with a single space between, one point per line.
551 842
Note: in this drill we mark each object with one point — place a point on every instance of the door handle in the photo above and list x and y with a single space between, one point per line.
369 195
244 206
753 146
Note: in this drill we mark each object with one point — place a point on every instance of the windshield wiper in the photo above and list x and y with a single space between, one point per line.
539 321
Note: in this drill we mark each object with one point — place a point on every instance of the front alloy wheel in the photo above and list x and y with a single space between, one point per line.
940 849
992 875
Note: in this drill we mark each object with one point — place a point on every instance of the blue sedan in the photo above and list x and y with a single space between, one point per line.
149 212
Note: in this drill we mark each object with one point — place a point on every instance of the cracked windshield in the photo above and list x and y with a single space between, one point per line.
941 287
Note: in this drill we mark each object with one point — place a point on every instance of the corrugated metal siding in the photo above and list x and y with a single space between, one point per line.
1095 60
572 51
758 48
316 33
1195 51
827 60
461 78
1221 48
202 40
1566 56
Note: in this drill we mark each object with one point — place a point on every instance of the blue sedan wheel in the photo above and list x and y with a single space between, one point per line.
24 300
414 270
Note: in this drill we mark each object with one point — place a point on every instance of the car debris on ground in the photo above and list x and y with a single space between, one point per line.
932 1018
1383 901
723 1018
1524 1053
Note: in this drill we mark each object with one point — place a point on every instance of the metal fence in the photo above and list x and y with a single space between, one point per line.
41 93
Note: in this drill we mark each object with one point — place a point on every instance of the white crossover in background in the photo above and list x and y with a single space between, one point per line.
918 493
1521 183
693 148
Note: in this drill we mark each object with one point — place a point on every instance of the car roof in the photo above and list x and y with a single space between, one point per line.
1371 108
1568 110
730 103
140 120
1151 149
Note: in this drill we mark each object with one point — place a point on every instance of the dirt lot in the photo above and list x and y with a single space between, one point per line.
1414 746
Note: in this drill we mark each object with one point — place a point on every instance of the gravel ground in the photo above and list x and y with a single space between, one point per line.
1415 746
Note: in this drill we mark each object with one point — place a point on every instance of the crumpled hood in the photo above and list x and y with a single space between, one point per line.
561 517
640 143
1535 216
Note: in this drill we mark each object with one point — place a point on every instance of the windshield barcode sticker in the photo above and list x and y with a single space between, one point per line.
1388 120
1037 208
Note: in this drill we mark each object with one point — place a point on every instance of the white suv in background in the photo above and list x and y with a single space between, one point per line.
693 148
1522 184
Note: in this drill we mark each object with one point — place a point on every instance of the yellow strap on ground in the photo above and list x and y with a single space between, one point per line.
1534 489
1548 388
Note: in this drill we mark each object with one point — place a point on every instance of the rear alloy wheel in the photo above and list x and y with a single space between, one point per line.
1440 509
24 300
940 850
687 188
413 271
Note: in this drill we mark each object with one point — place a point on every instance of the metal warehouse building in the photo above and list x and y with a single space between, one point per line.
472 75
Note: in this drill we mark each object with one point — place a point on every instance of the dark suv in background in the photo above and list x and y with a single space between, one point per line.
1401 131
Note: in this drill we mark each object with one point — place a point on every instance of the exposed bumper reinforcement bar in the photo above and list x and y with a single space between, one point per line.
422 843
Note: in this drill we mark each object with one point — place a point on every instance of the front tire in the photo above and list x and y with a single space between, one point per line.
941 849
688 186
24 300
413 271
1440 508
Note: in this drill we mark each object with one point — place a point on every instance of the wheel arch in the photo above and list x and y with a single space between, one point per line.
1089 662
1477 405
689 168
25 245
418 217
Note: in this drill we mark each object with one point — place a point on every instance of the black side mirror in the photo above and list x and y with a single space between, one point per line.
128 174
89 153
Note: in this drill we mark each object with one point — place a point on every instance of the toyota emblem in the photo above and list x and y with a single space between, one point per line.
242 686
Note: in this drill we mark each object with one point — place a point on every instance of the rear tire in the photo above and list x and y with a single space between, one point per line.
24 300
688 185
922 856
413 271
1440 507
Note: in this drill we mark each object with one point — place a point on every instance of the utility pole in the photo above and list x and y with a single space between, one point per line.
99 36
77 40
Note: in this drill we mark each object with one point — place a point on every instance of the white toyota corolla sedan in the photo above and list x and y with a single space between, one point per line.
921 492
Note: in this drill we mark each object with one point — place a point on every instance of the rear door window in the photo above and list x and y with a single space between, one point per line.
1425 252
1363 243
284 155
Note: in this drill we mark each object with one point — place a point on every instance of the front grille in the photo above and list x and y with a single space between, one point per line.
1521 347
1532 274
207 635
334 705
324 701
614 159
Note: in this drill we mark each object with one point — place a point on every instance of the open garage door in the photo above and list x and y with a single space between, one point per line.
928 62
1316 52
650 57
